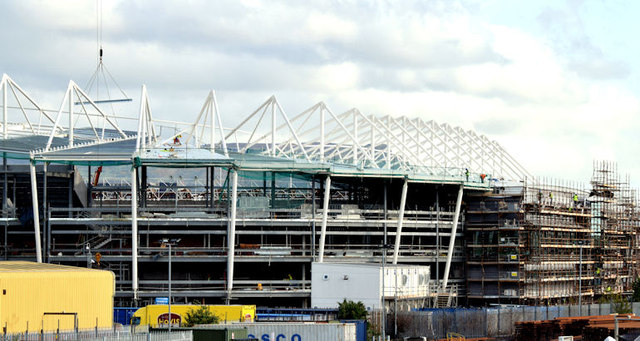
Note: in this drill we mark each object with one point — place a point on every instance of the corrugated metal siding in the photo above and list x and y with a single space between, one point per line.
302 331
29 290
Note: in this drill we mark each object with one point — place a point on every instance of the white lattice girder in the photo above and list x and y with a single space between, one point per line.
74 89
368 141
9 86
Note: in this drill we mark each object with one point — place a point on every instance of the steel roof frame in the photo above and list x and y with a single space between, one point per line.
368 141
315 135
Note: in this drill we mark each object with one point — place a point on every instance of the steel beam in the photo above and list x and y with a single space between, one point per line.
325 212
134 233
403 201
452 239
231 234
36 211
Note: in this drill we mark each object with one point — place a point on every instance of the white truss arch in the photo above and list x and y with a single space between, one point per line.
409 145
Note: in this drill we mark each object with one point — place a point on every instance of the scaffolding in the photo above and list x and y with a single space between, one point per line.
551 241
614 226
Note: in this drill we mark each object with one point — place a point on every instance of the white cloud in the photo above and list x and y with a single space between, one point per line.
434 60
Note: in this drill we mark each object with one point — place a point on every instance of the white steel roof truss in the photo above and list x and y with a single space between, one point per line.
8 83
418 146
84 110
393 140
146 126
441 148
68 98
23 111
253 132
464 147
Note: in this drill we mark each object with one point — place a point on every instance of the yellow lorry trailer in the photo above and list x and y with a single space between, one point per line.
157 315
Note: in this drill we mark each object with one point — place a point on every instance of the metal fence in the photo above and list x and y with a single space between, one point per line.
487 322
100 335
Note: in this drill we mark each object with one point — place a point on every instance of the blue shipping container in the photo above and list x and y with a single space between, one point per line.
123 315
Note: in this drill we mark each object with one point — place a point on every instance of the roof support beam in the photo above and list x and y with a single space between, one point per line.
36 210
231 234
403 201
325 212
134 233
452 240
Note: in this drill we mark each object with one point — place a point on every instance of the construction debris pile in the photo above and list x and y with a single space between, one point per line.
586 328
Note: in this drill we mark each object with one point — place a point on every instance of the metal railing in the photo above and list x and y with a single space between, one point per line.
99 335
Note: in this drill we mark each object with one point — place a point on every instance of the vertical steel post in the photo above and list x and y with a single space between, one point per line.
273 130
71 115
452 239
169 275
325 212
134 233
36 210
403 201
313 218
322 141
438 236
5 190
231 234
580 283
213 123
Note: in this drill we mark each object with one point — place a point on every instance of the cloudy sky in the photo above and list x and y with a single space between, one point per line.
556 83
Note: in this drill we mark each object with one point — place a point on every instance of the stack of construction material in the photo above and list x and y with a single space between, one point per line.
537 330
585 328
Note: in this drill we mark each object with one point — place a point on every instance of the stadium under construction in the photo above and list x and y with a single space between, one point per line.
247 210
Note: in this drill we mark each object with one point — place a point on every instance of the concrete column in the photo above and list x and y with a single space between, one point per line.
452 239
134 233
231 234
403 201
36 211
325 212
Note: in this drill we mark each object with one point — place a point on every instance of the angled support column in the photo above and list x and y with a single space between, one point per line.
452 239
403 201
134 233
36 210
325 212
231 234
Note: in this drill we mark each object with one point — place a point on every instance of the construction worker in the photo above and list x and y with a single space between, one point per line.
482 177
176 140
466 173
290 278
550 198
575 200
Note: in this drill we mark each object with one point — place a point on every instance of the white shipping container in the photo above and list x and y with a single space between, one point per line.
285 331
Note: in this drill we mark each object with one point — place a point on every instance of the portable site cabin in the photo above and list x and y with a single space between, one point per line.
37 296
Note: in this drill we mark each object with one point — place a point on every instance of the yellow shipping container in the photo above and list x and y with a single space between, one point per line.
39 296
156 315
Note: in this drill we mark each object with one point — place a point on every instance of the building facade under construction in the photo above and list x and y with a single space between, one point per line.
247 210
